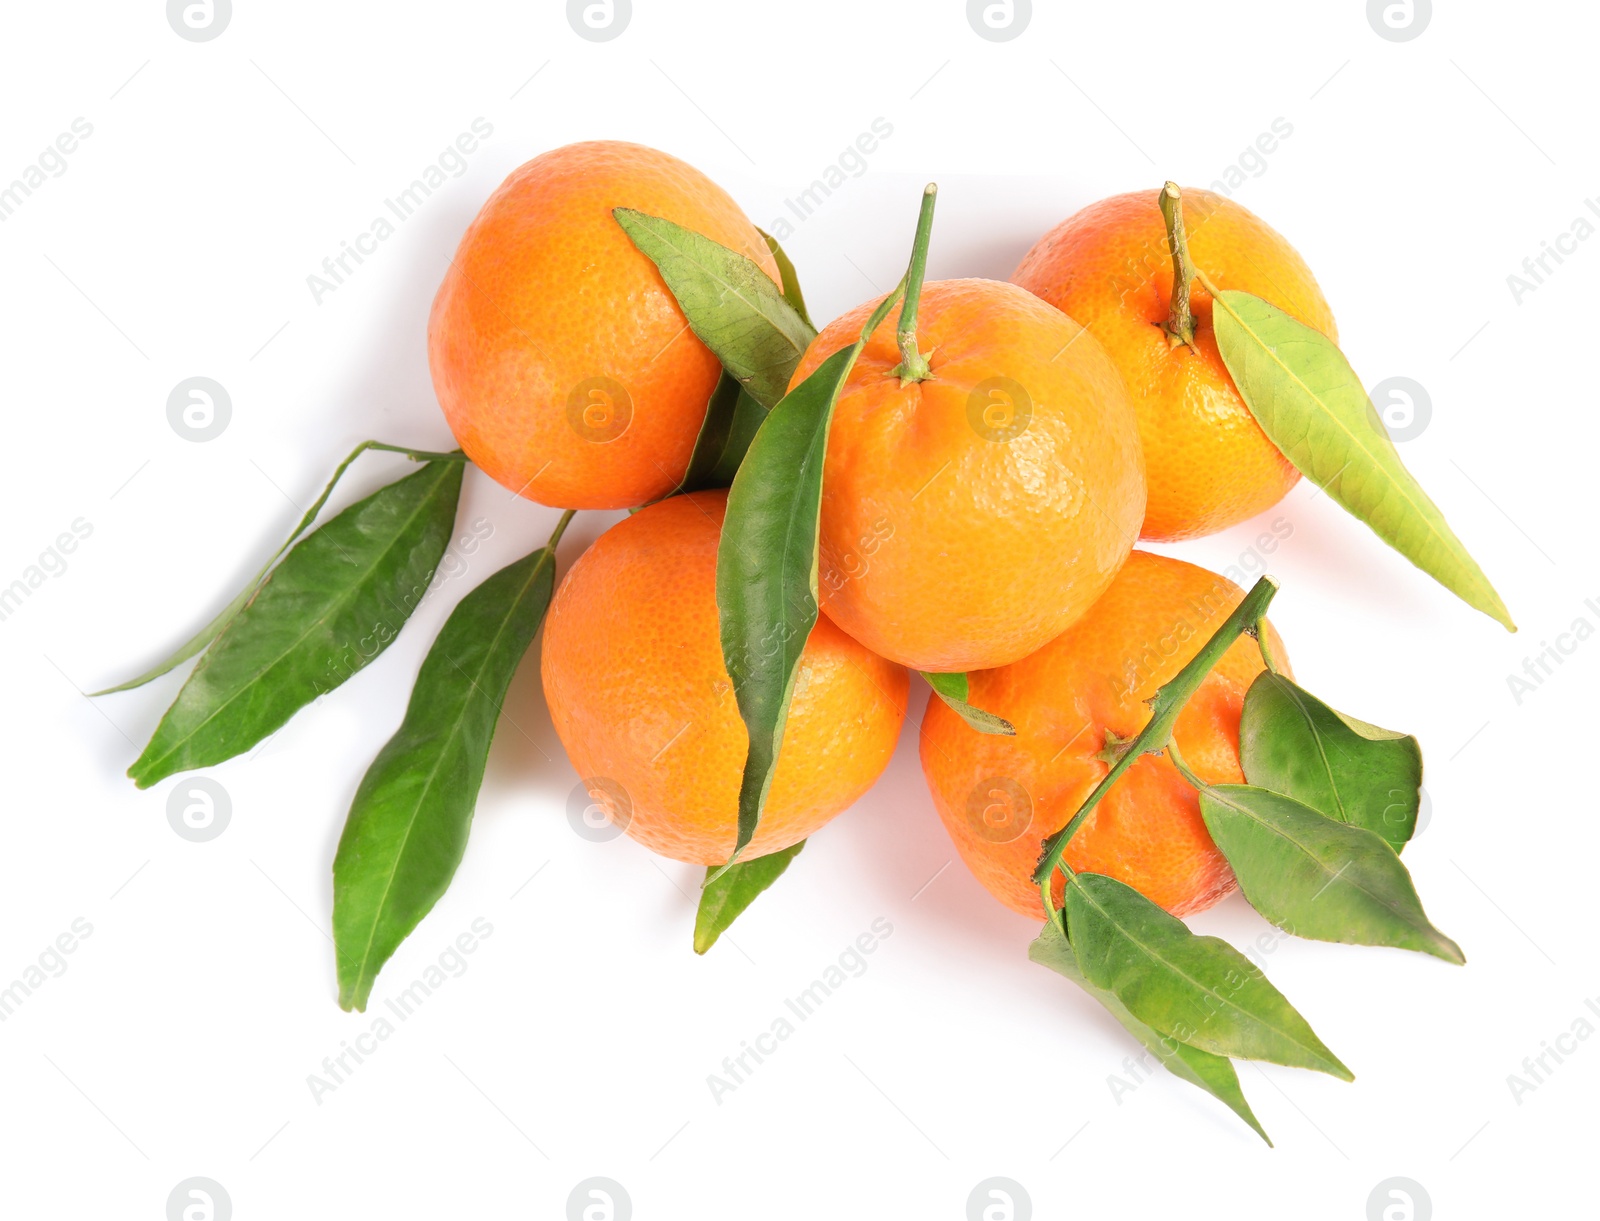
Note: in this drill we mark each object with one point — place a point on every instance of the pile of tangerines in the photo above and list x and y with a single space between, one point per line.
979 515
951 479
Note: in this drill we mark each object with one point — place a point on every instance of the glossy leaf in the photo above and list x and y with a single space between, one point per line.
791 281
1197 989
1292 743
767 565
1310 403
212 630
334 603
730 302
1318 878
952 689
407 829
1214 1074
725 896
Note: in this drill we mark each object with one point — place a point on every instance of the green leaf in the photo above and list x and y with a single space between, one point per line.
1317 878
334 603
730 302
1199 990
728 892
1294 744
791 281
1214 1074
748 417
767 565
212 630
407 829
732 420
1310 403
952 689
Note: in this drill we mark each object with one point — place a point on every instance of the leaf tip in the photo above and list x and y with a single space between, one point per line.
1446 949
1495 607
354 995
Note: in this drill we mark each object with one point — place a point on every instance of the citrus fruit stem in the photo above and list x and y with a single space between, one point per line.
913 366
561 528
1156 736
416 455
1180 321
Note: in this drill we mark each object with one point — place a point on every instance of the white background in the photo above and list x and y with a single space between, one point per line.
177 243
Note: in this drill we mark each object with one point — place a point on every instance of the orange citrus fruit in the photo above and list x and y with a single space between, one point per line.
563 363
969 518
1000 798
1208 462
639 696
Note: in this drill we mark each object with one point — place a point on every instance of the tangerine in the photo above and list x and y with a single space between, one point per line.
970 517
1208 463
561 359
1072 702
640 698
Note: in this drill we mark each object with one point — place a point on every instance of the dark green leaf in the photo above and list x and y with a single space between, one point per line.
1294 744
727 893
212 630
748 417
1214 1074
408 825
952 689
730 302
1199 990
1318 878
334 603
732 419
1309 402
791 281
767 565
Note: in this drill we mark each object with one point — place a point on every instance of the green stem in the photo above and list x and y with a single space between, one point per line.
1182 764
1259 631
1168 702
1180 320
416 455
913 366
561 528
